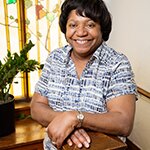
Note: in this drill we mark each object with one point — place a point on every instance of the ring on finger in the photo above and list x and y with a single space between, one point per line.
54 143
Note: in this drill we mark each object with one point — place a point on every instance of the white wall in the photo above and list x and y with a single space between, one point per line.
141 131
131 35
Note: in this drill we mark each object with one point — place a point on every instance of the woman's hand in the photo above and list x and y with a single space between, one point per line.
80 138
61 127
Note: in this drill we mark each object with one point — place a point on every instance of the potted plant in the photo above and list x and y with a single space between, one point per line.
13 64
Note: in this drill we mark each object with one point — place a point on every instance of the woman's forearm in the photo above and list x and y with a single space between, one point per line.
40 110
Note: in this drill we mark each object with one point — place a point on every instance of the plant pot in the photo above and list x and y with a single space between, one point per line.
7 118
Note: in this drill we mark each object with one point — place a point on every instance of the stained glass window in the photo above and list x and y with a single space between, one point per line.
35 20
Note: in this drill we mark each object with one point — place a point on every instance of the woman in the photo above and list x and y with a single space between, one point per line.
86 84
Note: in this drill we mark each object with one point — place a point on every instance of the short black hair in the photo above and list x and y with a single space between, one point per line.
93 9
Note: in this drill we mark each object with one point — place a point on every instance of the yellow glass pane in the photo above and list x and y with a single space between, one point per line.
9 37
43 29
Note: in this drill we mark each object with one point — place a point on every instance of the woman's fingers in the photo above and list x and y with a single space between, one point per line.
85 135
80 138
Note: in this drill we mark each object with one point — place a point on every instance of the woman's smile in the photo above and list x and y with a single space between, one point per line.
83 34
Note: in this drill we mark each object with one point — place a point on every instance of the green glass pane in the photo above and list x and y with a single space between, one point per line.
11 1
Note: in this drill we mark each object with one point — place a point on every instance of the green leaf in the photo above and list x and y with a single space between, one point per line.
13 64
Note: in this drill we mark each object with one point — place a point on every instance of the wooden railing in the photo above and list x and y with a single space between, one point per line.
144 92
29 135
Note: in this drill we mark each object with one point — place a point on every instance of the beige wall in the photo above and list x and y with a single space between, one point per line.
131 35
141 131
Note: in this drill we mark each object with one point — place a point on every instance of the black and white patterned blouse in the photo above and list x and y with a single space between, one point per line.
107 75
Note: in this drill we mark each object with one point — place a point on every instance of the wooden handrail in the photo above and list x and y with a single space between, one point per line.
144 92
29 135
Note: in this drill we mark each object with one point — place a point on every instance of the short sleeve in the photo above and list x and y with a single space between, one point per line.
122 79
41 85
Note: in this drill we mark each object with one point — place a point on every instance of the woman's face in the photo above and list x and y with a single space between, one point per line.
83 34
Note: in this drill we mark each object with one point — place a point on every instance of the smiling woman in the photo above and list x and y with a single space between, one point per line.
85 84
83 34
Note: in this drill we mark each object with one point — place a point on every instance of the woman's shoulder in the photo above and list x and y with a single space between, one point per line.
112 56
59 54
60 51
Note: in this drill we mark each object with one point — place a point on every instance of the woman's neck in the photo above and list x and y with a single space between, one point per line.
79 62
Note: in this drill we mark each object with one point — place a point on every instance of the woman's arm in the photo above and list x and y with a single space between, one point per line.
40 111
118 120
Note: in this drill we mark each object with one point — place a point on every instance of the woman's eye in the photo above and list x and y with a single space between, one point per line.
91 25
72 25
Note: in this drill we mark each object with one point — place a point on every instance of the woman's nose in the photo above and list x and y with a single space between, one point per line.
81 31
